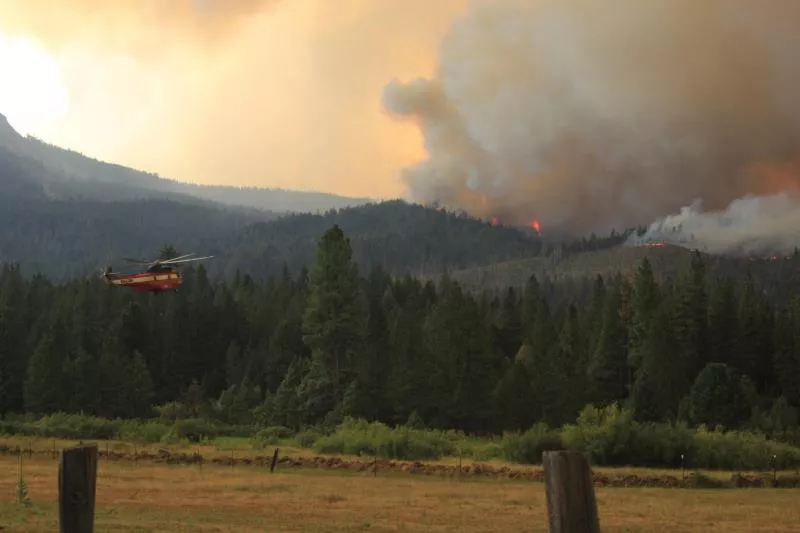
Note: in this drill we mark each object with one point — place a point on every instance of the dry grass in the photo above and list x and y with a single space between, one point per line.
158 498
241 447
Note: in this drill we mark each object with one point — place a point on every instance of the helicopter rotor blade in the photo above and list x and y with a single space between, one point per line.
188 260
174 259
139 261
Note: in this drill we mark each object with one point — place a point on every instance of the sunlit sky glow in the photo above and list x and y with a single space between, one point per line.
32 94
282 93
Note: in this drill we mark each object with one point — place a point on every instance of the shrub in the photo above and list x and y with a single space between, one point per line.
76 426
196 429
483 451
144 431
359 437
528 447
270 436
307 438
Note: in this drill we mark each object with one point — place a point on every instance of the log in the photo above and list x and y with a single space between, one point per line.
571 503
77 482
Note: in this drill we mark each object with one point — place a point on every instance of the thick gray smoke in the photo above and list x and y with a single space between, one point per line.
589 116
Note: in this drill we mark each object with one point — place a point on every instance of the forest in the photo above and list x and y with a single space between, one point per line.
332 343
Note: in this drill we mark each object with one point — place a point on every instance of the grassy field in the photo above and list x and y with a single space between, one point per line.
160 498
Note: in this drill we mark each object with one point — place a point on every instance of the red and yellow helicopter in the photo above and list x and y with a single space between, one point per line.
160 275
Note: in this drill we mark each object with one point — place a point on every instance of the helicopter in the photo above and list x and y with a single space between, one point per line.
160 275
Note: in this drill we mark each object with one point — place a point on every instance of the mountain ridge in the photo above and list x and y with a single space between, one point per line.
70 174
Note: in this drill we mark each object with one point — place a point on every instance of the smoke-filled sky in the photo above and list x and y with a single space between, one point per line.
589 114
252 92
583 114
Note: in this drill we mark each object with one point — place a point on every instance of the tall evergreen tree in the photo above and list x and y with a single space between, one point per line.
646 297
45 385
335 318
722 322
690 319
607 367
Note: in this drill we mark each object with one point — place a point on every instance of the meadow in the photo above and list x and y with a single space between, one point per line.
149 494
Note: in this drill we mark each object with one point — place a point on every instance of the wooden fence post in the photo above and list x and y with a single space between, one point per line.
77 481
274 461
571 504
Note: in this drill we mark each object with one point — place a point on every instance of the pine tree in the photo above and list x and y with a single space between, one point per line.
461 376
572 363
690 319
44 386
510 329
754 354
593 322
607 367
646 297
785 368
530 304
82 372
717 398
514 397
335 318
544 369
138 387
722 323
660 383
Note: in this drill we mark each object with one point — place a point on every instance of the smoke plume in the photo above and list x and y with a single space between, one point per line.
589 117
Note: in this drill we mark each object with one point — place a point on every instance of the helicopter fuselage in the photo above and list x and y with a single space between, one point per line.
158 281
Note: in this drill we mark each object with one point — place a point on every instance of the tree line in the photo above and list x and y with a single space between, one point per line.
313 347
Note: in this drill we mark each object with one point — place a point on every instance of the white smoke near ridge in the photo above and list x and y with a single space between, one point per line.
589 117
749 226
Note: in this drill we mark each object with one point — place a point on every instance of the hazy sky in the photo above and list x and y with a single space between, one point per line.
280 93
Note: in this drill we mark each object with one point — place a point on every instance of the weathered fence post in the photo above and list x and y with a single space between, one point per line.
571 504
77 480
274 461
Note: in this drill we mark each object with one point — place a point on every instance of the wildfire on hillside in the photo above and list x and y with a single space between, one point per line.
534 224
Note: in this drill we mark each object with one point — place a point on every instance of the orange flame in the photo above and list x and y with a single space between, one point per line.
495 221
537 227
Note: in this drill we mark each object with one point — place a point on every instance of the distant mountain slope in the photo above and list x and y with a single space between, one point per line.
64 239
64 215
400 237
69 174
69 237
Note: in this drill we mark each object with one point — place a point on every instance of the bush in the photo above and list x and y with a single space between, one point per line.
528 447
76 426
359 437
14 427
270 436
735 450
610 437
196 430
484 451
144 431
307 438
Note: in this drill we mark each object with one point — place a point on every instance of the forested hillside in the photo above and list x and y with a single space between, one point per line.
402 238
778 276
64 237
305 350
67 174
